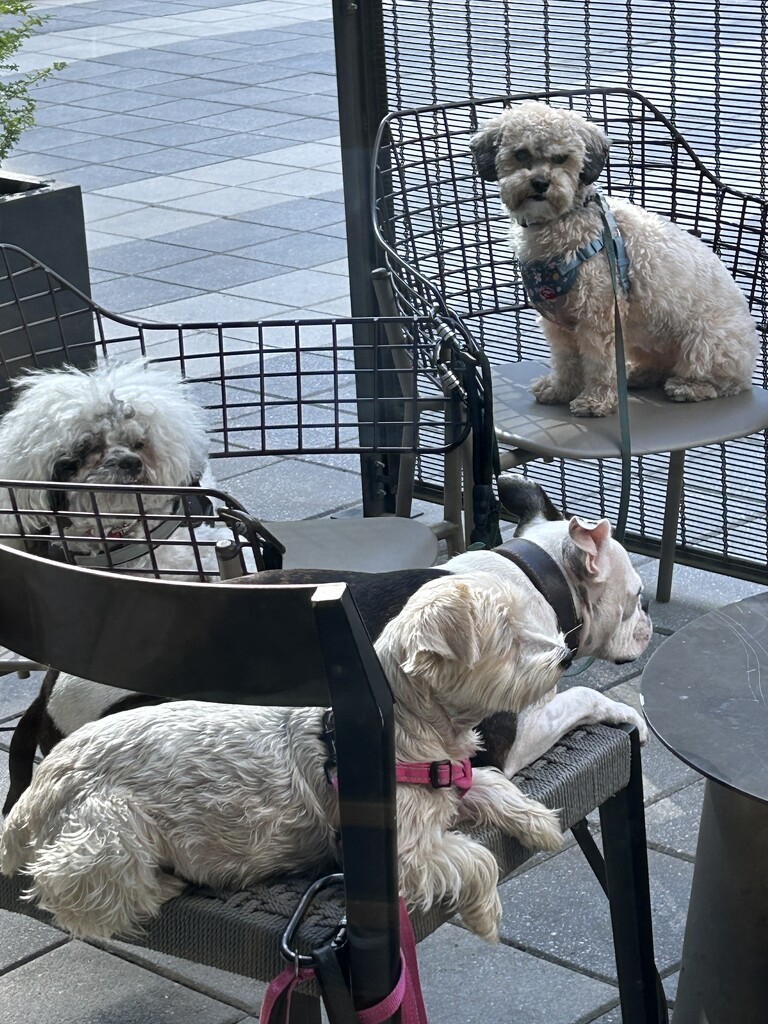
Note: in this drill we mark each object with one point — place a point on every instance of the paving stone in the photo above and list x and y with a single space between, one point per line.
173 135
694 592
662 771
246 119
103 150
673 824
301 250
43 163
121 100
219 272
465 981
226 202
98 207
77 984
300 286
303 183
233 172
125 293
560 910
301 214
294 489
23 938
211 308
93 176
158 189
121 124
141 255
241 237
308 129
244 993
164 161
149 222
16 695
242 145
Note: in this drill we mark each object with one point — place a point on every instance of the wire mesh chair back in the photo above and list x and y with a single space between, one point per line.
447 233
268 387
329 387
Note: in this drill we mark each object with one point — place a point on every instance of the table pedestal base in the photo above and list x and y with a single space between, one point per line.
723 978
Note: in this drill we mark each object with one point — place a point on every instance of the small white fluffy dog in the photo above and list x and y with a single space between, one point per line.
117 424
125 809
686 322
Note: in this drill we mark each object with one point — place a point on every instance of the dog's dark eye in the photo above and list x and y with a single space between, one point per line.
65 469
559 158
138 445
522 155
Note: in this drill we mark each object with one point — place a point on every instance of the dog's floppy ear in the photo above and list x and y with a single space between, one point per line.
527 501
592 540
485 148
596 144
440 626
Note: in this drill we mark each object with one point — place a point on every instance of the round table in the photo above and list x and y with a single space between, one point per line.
705 695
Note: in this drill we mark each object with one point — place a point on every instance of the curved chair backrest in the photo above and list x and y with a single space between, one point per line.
286 645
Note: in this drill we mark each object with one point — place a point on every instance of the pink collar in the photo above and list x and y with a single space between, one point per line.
437 774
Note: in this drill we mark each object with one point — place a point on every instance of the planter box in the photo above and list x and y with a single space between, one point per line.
46 219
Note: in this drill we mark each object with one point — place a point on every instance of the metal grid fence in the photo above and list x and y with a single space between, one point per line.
705 66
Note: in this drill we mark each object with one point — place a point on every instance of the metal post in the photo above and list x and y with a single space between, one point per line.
669 528
622 822
361 85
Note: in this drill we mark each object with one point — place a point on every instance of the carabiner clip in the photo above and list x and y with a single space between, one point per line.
287 949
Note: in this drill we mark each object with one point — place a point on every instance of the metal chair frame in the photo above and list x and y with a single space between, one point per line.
445 234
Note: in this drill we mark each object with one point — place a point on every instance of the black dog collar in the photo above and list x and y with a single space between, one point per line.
548 578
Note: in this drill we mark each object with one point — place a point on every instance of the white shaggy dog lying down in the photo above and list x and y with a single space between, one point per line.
127 808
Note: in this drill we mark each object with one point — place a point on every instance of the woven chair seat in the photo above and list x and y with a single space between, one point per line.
240 931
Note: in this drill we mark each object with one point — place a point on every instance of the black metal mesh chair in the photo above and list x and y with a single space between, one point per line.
331 388
445 233
306 645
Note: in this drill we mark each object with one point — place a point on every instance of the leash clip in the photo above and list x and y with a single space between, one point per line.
287 947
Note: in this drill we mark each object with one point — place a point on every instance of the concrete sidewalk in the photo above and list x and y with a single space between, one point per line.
204 136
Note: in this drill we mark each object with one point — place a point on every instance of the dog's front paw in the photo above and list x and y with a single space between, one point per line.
549 391
484 919
600 401
680 390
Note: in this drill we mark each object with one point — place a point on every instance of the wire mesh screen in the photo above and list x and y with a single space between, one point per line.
267 388
185 533
703 62
448 239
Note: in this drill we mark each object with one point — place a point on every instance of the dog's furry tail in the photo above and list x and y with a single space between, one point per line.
96 866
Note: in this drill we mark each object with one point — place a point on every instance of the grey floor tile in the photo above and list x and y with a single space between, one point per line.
42 140
308 129
211 308
219 272
43 164
121 100
158 189
297 287
134 78
301 214
294 489
148 222
164 161
124 293
301 250
673 823
246 119
242 992
98 207
16 695
23 938
560 910
466 981
173 135
94 176
242 144
103 150
122 123
694 592
304 183
77 984
662 772
238 171
226 202
243 237
141 255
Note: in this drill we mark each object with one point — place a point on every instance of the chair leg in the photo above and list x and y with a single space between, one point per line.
669 529
622 822
304 1009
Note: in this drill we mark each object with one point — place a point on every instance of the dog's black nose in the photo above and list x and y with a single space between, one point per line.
540 185
130 463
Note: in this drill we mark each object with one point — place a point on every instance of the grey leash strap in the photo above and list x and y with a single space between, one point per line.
625 442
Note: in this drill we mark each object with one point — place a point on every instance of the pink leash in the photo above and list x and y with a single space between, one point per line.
406 996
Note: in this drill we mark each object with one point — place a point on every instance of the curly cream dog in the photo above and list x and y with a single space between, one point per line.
125 809
686 322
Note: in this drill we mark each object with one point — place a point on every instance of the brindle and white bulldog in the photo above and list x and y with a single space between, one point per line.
595 574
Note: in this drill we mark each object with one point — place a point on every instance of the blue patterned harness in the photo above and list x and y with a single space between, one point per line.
546 283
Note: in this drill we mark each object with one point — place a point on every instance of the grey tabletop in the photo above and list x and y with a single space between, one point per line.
705 695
